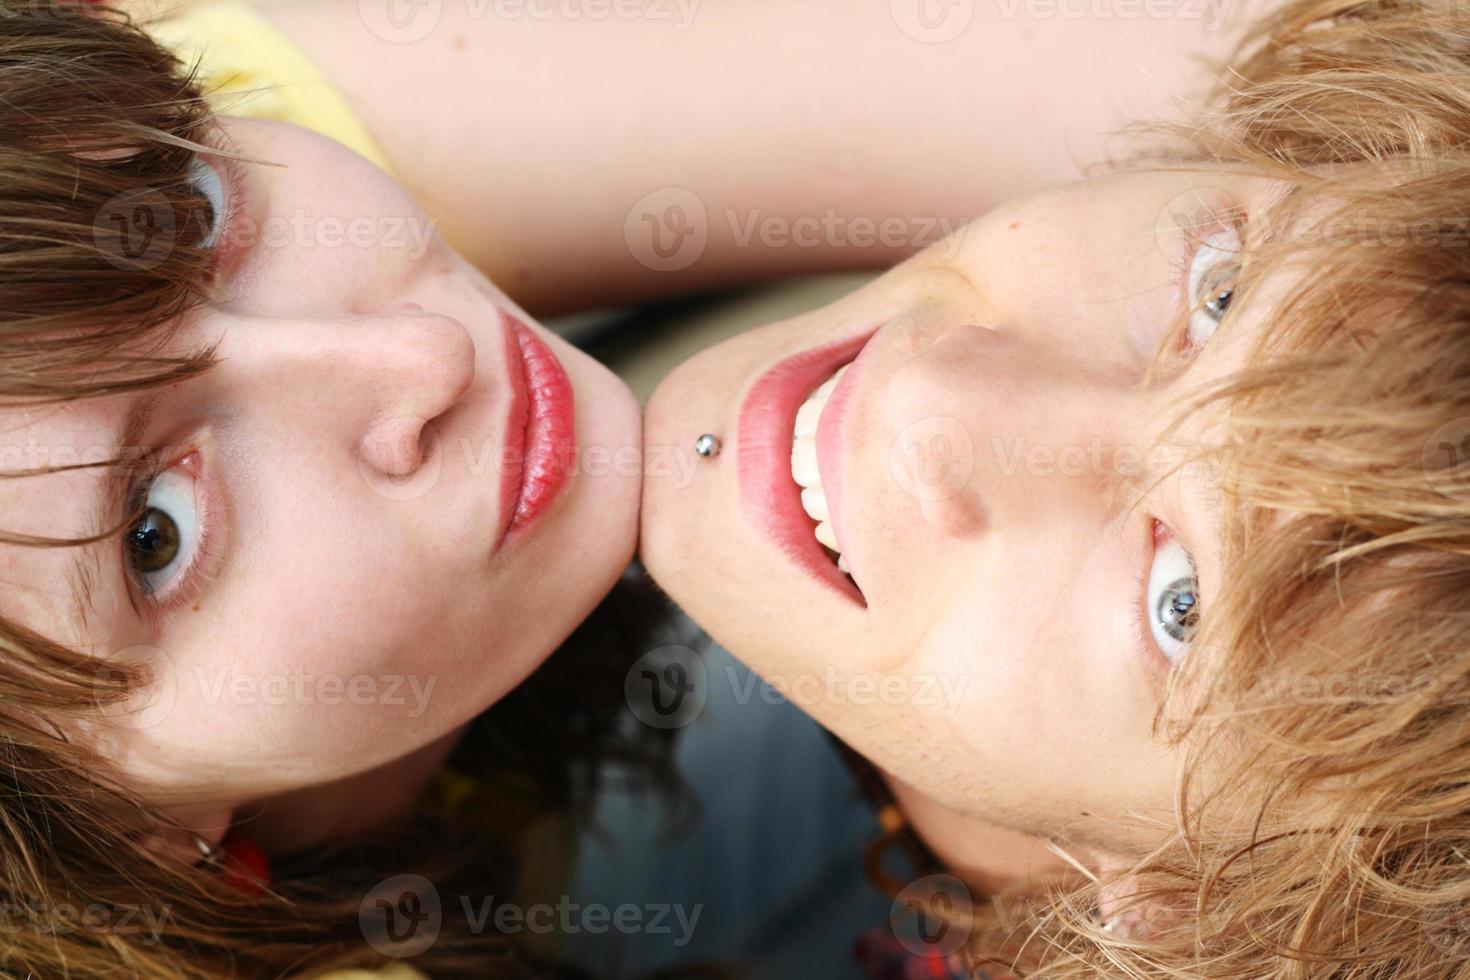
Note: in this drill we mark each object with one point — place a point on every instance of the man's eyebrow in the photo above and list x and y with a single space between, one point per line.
1202 499
111 496
1279 197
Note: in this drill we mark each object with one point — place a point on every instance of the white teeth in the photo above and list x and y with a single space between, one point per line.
806 417
824 534
804 463
814 502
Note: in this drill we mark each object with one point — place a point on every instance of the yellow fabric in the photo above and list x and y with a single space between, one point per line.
247 67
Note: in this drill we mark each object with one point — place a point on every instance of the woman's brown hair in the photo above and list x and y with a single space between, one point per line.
101 255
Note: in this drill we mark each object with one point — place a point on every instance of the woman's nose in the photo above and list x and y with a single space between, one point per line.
426 364
395 446
376 381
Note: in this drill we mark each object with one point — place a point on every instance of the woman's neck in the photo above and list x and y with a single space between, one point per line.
369 801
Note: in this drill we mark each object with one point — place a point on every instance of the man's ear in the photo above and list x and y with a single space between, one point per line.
1125 907
1119 908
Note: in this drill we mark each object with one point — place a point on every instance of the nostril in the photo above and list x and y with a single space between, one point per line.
416 368
396 446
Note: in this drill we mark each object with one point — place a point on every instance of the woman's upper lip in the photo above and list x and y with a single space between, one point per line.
767 490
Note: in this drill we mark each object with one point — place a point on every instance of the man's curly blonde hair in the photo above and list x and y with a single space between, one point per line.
1323 816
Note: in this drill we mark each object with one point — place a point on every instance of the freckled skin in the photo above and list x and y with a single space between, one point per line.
1018 588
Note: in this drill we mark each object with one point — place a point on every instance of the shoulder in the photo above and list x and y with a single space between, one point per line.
247 66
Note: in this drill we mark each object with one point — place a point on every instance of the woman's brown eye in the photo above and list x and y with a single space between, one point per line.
159 548
153 542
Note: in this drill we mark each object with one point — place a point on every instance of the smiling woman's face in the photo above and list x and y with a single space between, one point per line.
1017 589
381 509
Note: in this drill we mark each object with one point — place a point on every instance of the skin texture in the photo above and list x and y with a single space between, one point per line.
343 457
536 128
997 673
538 191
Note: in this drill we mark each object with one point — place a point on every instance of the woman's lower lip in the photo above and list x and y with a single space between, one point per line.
540 435
767 491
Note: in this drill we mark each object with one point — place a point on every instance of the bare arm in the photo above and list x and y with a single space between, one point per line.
548 139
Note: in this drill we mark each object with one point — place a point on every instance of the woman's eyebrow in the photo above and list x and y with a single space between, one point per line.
125 450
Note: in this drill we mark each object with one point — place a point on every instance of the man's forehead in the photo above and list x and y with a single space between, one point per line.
1232 350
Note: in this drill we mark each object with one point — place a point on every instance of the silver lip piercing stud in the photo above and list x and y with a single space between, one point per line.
707 445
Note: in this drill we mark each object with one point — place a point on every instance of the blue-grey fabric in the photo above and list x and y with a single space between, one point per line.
772 866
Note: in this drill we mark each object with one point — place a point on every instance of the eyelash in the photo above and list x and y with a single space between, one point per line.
189 579
1157 664
1196 236
202 562
234 180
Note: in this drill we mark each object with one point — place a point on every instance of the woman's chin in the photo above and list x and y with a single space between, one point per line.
599 521
581 546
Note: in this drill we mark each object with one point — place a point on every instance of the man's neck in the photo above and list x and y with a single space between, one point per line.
984 855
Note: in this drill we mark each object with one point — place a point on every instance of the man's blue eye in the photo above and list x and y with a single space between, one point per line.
1173 599
1213 269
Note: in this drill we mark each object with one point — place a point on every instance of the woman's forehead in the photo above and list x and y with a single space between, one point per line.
60 587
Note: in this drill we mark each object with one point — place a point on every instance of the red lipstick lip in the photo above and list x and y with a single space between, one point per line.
540 430
767 490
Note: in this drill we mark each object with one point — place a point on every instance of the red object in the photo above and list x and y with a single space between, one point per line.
244 863
540 439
